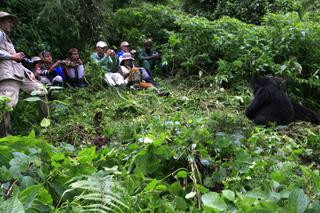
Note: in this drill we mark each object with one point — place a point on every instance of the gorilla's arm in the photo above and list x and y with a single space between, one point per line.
260 98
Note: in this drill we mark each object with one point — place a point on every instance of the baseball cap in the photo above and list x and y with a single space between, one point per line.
101 44
124 44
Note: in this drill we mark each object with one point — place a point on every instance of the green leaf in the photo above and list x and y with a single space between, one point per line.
278 176
35 196
45 122
182 174
181 203
190 195
212 200
13 205
32 99
315 178
151 185
297 202
228 194
87 155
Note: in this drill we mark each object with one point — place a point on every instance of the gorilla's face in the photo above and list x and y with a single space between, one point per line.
263 82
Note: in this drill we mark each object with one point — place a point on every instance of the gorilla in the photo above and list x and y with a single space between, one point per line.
271 104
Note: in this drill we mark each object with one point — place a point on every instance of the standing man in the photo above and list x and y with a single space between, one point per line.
14 76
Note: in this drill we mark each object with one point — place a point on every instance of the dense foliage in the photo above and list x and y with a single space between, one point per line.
118 150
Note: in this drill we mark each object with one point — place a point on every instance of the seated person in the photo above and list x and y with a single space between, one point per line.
36 64
50 73
124 48
75 69
105 58
148 57
133 75
130 73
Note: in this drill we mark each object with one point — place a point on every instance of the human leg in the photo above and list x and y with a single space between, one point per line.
118 79
72 76
30 86
9 88
108 79
80 71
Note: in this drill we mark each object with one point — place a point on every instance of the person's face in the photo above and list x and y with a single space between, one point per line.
125 48
74 56
6 24
148 46
128 63
100 50
47 58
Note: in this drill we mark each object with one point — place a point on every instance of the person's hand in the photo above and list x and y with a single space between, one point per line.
111 52
18 56
156 56
79 61
57 63
37 72
32 76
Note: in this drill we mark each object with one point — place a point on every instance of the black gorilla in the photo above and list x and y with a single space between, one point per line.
271 104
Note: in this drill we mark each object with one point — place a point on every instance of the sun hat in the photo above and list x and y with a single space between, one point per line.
101 44
8 15
124 44
35 59
125 56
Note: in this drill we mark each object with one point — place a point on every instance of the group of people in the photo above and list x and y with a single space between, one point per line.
120 69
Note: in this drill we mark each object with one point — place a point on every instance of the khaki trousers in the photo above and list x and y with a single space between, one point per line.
11 88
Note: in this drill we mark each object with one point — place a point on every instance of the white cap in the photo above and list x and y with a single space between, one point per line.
101 44
124 44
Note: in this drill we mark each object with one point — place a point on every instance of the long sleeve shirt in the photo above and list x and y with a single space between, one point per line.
106 62
3 55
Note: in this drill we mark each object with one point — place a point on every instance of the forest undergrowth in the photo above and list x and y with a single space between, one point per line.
117 150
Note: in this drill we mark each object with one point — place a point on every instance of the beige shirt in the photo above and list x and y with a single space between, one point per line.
10 69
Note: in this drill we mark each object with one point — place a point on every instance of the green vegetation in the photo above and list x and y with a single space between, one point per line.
110 150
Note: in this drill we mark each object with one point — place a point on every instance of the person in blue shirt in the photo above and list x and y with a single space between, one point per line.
51 73
124 48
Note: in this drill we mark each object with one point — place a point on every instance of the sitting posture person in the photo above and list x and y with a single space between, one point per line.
75 69
271 104
50 73
148 57
133 76
124 48
105 58
126 64
127 71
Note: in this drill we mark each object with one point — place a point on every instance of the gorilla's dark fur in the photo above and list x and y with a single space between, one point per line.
271 104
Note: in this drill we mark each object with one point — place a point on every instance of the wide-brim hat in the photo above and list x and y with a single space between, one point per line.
36 59
125 56
8 15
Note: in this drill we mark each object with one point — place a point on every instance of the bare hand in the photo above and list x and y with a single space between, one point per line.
111 52
57 63
18 56
79 61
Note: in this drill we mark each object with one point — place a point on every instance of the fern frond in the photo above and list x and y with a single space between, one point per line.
97 194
